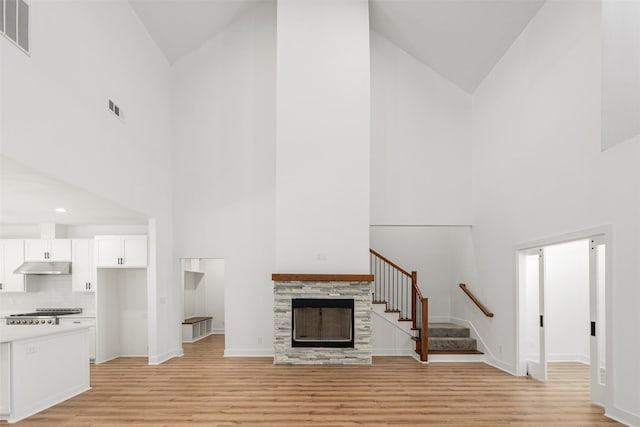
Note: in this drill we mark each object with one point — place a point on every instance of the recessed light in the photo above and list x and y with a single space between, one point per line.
61 210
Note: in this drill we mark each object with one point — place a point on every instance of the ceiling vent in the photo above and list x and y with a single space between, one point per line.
14 22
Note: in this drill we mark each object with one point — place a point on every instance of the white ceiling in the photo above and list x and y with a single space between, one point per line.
181 26
460 39
28 197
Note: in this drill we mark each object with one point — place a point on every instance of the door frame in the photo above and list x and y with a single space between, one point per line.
606 233
537 370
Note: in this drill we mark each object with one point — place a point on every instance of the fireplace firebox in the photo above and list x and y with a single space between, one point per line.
322 322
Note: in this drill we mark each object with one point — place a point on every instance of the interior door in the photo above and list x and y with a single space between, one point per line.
536 332
597 298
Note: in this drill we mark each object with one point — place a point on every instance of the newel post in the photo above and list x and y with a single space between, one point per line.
424 344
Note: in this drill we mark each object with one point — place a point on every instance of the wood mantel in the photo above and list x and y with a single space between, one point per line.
298 277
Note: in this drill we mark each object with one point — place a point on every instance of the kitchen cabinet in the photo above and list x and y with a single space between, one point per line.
121 251
47 250
84 321
11 257
83 270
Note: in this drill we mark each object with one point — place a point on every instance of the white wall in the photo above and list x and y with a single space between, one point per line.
538 171
214 277
122 313
323 137
55 120
420 142
432 252
224 168
387 339
567 301
620 71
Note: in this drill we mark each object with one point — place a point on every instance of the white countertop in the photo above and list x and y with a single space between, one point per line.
10 333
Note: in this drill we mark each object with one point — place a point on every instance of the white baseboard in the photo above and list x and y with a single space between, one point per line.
218 331
624 417
248 352
563 357
457 358
391 352
158 359
490 358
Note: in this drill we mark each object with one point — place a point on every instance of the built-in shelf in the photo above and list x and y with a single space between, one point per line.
193 271
196 328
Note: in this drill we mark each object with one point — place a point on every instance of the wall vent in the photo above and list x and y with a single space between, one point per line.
115 109
14 22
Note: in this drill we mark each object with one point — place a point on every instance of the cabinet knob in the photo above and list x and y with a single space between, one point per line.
1 286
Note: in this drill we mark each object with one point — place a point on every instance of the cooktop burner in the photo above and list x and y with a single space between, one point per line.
41 316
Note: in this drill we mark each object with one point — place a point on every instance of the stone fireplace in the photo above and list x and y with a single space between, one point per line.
322 319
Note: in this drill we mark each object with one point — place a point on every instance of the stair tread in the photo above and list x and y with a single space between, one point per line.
455 352
392 311
452 338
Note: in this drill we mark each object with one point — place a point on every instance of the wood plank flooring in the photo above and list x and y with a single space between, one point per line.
203 388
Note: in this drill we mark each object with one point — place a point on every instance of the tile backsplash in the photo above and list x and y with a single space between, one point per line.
47 292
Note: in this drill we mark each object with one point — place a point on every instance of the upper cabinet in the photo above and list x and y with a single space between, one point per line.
11 257
83 272
47 250
121 251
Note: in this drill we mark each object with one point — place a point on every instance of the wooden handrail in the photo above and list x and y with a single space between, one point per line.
476 300
391 263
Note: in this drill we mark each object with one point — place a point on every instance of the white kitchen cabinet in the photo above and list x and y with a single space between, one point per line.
11 257
121 251
83 271
88 321
47 250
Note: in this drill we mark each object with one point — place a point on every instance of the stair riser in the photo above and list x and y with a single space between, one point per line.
458 344
449 332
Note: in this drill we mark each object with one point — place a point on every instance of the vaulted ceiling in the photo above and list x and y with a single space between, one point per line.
460 39
181 26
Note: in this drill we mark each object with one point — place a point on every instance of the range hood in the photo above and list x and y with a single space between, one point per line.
44 267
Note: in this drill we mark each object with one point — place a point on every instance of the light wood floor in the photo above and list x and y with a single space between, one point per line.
203 388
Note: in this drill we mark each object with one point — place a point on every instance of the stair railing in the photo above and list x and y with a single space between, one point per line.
399 289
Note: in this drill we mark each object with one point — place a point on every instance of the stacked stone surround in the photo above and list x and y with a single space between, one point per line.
284 292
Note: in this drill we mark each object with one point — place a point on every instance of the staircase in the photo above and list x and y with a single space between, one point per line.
449 338
396 291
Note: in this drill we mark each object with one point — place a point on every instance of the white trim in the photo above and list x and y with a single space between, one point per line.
563 357
395 323
249 352
98 362
457 358
489 357
161 358
218 331
607 232
622 416
392 352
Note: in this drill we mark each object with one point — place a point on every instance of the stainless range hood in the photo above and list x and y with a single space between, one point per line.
43 267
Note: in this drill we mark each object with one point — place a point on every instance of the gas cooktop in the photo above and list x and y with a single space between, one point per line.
42 316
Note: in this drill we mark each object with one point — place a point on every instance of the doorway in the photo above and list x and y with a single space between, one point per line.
203 308
561 305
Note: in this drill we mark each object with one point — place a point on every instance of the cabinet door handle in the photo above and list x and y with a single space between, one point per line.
1 285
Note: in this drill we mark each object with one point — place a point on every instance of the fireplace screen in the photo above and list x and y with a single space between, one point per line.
322 322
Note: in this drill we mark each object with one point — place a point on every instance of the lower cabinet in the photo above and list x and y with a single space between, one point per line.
196 328
89 321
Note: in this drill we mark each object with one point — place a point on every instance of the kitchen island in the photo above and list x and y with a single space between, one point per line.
41 366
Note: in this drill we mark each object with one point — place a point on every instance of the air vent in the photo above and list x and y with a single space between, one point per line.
14 22
115 109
